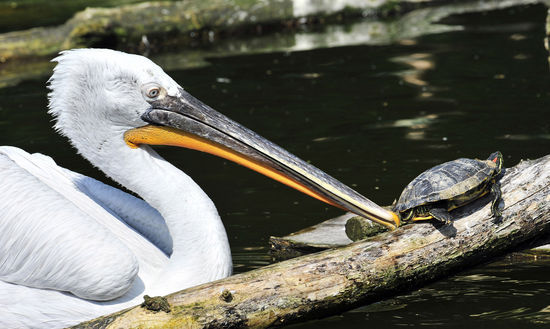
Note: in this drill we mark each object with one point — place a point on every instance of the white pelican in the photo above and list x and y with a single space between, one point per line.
73 248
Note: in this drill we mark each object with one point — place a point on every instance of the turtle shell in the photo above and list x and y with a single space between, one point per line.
445 181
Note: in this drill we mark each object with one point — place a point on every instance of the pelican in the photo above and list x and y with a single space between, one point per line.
73 248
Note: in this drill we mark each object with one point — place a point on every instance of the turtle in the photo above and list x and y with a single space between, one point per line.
450 185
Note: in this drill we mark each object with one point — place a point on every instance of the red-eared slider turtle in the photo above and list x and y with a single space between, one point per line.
448 186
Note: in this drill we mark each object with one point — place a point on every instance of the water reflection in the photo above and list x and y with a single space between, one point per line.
419 63
249 258
526 137
503 294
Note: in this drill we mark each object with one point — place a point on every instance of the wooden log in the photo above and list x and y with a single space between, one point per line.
332 281
333 233
163 25
25 54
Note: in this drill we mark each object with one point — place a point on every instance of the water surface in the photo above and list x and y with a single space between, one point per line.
374 117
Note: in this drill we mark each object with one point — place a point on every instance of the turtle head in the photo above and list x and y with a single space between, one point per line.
497 159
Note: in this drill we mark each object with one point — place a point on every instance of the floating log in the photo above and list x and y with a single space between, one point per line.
331 281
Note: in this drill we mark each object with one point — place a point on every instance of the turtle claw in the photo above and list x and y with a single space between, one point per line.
442 215
497 197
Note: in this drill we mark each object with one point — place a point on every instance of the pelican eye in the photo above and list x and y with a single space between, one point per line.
153 92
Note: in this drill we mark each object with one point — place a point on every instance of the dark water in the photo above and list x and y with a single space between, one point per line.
374 117
505 294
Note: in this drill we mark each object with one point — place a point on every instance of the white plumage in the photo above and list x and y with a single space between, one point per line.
73 248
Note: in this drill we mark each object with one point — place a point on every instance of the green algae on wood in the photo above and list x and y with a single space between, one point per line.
156 304
155 24
124 32
358 228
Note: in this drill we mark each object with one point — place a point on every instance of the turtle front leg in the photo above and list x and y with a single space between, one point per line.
497 197
441 214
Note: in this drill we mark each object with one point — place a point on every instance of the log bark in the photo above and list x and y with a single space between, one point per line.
332 281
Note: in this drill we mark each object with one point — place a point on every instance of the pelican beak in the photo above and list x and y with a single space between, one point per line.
185 121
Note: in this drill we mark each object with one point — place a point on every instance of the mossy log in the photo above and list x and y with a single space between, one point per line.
162 29
165 25
156 24
331 281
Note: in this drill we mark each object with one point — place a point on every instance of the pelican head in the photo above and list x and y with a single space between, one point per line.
128 100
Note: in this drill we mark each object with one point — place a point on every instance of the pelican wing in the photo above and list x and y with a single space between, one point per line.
55 236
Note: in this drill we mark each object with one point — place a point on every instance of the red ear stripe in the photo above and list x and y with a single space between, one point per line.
495 159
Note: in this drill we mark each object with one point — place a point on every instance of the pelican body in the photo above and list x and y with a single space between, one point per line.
73 248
